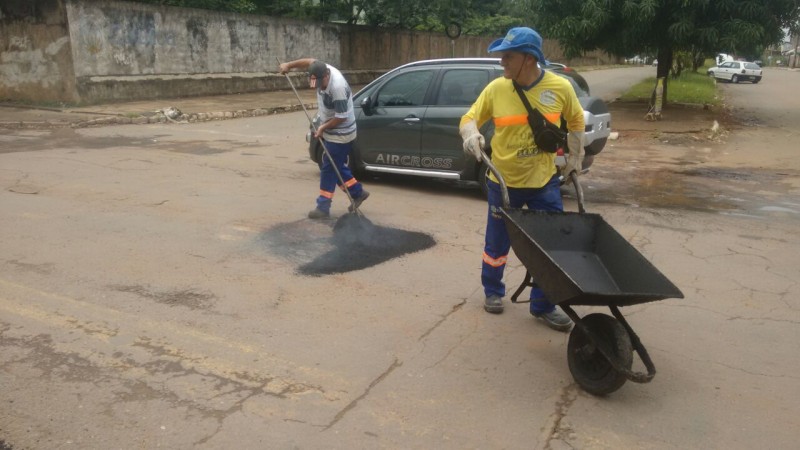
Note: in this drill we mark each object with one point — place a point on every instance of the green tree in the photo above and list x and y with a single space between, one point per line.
477 17
626 27
794 31
240 6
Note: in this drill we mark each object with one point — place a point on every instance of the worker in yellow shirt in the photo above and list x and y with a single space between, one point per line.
527 166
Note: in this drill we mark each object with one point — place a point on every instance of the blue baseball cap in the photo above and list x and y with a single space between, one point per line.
520 39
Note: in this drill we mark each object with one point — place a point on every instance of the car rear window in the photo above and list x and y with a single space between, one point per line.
752 66
461 86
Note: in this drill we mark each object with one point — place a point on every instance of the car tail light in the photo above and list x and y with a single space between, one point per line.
561 160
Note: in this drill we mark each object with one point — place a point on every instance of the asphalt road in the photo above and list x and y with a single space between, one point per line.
150 297
609 84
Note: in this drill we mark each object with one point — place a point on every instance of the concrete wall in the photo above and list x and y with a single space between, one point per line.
35 53
92 51
119 47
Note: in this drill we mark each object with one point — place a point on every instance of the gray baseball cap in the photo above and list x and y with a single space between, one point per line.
318 69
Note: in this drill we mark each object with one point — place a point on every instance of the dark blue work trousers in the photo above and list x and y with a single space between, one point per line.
498 244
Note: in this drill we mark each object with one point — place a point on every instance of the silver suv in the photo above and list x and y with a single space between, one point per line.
408 119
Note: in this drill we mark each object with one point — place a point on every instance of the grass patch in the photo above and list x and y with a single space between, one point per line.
690 87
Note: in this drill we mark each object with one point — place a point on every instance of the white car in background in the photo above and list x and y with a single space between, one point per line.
736 71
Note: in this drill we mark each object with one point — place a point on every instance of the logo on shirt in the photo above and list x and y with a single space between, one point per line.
547 97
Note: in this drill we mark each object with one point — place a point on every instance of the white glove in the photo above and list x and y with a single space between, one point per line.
473 139
575 156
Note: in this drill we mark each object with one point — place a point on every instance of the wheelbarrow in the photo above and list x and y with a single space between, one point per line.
576 258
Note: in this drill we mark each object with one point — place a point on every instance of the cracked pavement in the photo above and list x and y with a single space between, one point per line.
142 307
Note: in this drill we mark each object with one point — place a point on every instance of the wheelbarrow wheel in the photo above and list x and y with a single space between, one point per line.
590 369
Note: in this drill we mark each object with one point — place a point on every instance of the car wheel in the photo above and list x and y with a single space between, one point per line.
711 74
321 157
756 80
587 161
595 147
735 79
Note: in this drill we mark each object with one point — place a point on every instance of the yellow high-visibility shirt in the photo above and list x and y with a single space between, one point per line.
514 152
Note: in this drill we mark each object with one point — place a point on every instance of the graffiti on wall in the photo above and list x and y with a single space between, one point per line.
129 39
24 64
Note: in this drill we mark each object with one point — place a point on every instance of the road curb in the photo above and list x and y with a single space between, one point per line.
156 117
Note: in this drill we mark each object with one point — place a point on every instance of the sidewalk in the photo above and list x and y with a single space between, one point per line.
626 116
191 109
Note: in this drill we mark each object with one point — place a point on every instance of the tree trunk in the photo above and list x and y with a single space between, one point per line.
698 59
664 64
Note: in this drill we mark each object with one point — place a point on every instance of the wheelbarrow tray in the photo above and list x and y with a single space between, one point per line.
579 259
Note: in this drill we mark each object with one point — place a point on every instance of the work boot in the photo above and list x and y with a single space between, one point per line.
317 213
555 319
358 201
493 304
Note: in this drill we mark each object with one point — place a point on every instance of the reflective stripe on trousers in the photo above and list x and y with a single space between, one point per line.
498 244
328 180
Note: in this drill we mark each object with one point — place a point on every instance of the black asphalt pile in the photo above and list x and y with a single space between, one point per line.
357 243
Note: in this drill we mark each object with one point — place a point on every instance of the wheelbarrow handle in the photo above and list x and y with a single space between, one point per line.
578 191
504 188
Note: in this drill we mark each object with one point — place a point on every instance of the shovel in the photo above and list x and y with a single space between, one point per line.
327 154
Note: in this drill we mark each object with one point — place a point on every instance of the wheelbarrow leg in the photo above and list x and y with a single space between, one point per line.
637 377
527 282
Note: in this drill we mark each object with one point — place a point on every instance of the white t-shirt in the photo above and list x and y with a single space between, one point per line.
337 101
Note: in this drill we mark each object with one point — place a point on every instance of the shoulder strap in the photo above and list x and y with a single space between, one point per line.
536 120
546 135
522 97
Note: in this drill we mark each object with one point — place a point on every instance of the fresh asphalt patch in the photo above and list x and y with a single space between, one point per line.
351 243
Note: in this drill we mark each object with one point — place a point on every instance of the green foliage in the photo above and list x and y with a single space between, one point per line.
404 14
240 6
689 87
477 17
680 61
491 26
626 27
629 27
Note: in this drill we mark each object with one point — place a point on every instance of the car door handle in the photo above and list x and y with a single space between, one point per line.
411 120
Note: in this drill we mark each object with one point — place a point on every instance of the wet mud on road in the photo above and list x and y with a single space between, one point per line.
702 189
48 139
680 170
